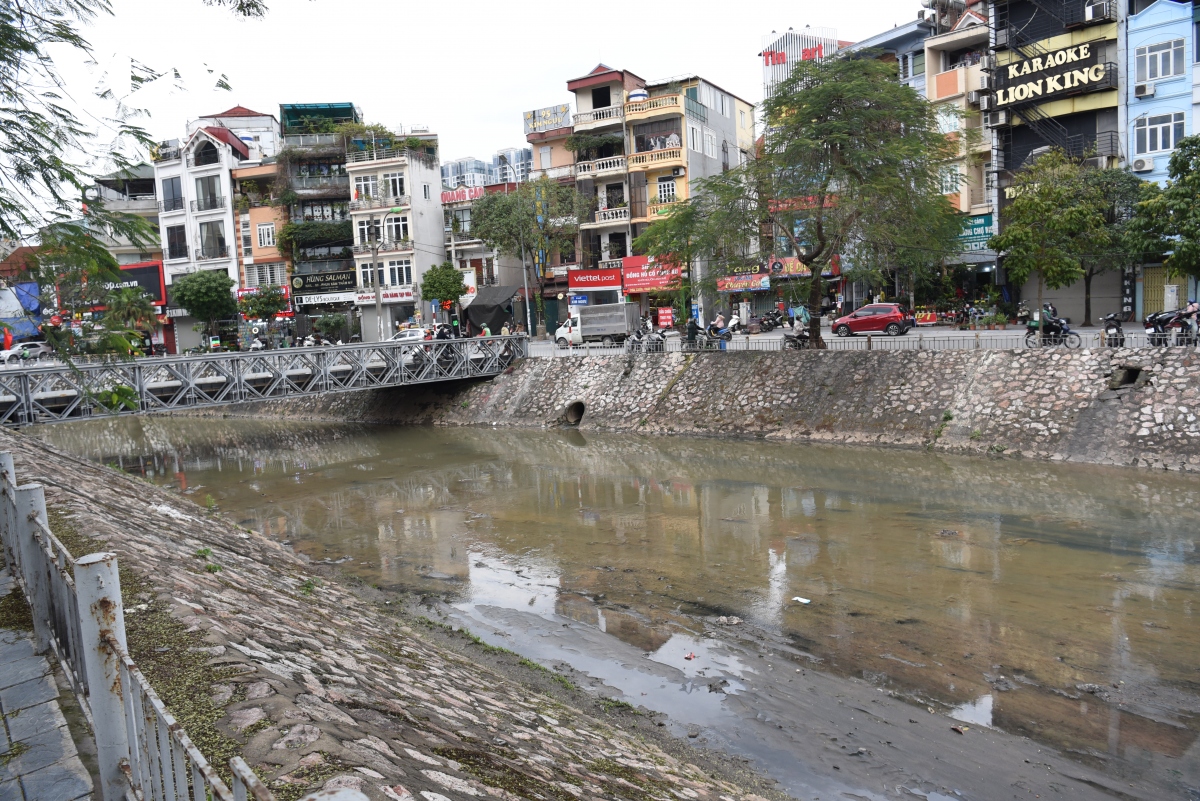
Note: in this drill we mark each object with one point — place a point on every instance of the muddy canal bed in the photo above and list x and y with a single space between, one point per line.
798 605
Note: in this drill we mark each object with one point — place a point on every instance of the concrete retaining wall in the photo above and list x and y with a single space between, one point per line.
1125 407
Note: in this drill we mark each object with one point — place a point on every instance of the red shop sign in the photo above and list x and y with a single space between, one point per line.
666 317
644 275
593 280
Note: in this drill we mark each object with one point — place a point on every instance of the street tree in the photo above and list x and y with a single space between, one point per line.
531 222
207 295
1167 220
129 307
445 283
850 160
1053 222
1115 193
264 304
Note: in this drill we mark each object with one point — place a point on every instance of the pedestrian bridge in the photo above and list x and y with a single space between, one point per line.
80 390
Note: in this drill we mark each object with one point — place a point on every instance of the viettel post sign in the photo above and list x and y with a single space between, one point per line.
1067 71
645 275
593 280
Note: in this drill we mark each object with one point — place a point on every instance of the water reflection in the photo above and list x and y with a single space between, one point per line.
998 588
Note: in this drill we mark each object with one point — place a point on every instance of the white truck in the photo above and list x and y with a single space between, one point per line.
608 324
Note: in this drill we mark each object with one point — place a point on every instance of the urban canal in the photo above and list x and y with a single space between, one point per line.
1055 602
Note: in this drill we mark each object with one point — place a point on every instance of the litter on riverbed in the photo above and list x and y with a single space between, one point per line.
800 600
689 656
960 729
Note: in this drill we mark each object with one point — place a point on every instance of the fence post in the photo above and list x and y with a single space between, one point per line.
31 507
920 340
868 341
98 593
976 340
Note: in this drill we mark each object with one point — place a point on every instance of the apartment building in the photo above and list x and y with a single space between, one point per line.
396 216
468 171
130 191
546 131
194 177
511 165
467 251
312 169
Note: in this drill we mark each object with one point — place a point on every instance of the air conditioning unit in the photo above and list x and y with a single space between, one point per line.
1002 36
973 97
986 82
995 119
987 103
1142 165
1143 90
988 63
677 171
1095 12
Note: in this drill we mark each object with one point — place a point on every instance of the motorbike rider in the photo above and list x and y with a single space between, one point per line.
693 330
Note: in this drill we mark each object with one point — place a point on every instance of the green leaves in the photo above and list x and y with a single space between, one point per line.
443 282
206 294
129 307
264 304
1167 220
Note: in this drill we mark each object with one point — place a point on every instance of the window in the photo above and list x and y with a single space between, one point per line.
1162 60
1196 39
274 274
177 242
950 180
694 141
601 97
322 210
400 271
724 156
1158 133
206 154
655 135
947 120
172 194
266 235
393 184
426 192
367 230
365 186
460 221
212 240
918 63
666 190
742 118
710 144
396 228
367 274
247 240
208 193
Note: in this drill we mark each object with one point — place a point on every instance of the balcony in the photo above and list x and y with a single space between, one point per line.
667 157
210 203
586 120
381 202
1094 13
978 196
170 204
592 169
553 173
364 156
177 252
608 217
325 266
205 158
213 252
321 182
654 107
656 209
165 152
954 81
312 140
385 246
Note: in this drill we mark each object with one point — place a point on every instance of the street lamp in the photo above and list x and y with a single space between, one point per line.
376 271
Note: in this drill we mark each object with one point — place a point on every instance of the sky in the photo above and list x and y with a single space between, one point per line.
466 69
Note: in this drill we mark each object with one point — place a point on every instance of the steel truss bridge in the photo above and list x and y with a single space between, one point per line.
135 386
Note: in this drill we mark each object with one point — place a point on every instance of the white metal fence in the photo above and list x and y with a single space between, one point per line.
142 751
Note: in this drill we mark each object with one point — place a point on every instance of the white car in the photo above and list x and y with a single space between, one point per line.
409 335
34 351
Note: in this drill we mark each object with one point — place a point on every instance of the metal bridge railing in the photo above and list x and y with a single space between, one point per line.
142 752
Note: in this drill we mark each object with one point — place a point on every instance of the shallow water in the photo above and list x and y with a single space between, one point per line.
1054 601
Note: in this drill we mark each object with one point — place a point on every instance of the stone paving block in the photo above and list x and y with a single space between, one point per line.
67 780
9 636
37 691
12 651
32 721
11 791
41 751
4 740
23 670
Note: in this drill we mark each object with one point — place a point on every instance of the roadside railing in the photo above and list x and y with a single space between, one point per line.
142 751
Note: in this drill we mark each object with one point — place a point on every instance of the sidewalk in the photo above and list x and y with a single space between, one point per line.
38 759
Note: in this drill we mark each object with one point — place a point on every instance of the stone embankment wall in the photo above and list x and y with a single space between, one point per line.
320 687
1121 406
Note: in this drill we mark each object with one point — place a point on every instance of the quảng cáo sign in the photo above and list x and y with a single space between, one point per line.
1069 70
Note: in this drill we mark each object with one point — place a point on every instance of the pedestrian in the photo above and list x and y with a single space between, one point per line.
692 331
504 330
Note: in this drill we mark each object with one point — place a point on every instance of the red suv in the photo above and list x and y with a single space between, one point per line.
885 318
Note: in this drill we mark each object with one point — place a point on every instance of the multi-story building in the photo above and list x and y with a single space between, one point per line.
312 170
467 251
396 215
511 165
1159 50
194 176
905 45
468 171
781 52
131 191
547 130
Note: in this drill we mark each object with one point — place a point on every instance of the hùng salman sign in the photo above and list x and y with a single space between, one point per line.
1070 70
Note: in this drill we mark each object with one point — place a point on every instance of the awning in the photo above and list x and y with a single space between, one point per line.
492 307
494 295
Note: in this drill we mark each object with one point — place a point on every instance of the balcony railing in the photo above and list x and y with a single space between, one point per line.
320 181
325 266
655 209
177 252
209 203
380 202
606 216
171 204
385 246
206 159
553 173
214 252
357 156
165 152
640 108
311 140
695 109
588 169
978 196
332 217
600 115
653 157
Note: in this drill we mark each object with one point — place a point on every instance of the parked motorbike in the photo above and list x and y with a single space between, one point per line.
1156 325
1054 330
647 339
1114 335
1185 328
798 339
771 320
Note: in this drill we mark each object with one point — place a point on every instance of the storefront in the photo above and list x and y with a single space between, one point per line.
599 286
398 303
651 284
